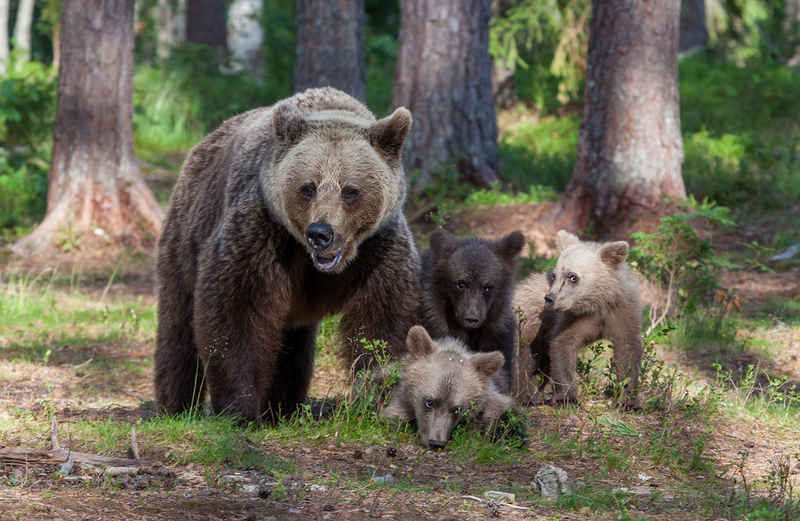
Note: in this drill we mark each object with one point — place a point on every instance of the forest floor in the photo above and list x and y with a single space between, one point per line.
719 442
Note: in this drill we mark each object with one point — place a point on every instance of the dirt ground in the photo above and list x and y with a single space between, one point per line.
335 480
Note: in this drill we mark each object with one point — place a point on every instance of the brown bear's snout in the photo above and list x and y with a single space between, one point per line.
319 235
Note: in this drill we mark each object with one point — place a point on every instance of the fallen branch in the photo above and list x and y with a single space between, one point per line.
500 503
56 455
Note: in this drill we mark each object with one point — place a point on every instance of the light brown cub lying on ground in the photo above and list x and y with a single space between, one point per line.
591 294
443 384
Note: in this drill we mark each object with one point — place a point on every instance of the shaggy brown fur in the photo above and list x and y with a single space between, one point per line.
467 286
442 384
591 294
281 216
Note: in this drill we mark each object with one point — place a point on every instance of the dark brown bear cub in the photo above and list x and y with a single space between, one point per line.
443 385
281 216
589 295
467 288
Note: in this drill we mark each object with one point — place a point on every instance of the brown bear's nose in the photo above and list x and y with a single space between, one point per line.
319 235
549 298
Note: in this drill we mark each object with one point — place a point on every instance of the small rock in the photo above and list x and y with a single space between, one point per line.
232 479
496 495
382 479
66 467
318 488
550 481
250 488
644 477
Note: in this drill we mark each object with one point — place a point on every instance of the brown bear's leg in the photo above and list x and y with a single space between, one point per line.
627 343
567 342
176 365
295 366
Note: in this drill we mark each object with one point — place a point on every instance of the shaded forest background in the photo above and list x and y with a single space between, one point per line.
738 95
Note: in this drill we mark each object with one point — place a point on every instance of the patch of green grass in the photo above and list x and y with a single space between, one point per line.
497 197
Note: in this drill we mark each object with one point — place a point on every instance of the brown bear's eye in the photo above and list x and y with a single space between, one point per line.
487 289
460 285
572 278
428 404
308 191
349 194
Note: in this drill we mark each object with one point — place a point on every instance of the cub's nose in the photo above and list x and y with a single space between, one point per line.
472 322
549 298
319 235
437 444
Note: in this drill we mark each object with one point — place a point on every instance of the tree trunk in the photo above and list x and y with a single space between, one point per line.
22 29
205 23
792 28
4 36
245 36
629 146
171 26
330 46
694 35
95 189
444 76
504 88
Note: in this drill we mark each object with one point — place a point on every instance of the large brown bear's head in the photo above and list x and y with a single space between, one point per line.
335 178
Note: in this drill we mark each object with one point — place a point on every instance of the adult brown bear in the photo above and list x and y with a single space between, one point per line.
281 216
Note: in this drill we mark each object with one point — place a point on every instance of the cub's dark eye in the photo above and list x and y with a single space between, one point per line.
308 191
428 404
487 289
461 285
572 278
349 194
551 277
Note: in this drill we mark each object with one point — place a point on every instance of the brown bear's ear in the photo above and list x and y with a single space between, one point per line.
488 364
289 124
509 246
396 409
614 252
443 244
388 134
564 240
418 342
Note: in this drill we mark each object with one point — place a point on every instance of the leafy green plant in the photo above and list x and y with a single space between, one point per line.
677 257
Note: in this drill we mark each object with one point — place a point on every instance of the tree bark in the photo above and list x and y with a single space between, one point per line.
504 88
4 51
245 36
444 76
95 188
694 35
792 28
205 23
171 22
630 148
22 29
330 46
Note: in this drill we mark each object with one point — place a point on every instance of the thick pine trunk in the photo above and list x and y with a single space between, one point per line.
630 148
330 46
444 76
94 179
171 26
694 35
205 23
504 88
22 29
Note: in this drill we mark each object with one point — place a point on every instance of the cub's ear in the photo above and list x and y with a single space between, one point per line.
289 124
418 342
388 134
396 409
443 244
564 240
488 364
614 253
509 246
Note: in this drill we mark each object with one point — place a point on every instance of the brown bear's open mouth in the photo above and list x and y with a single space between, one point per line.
326 262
